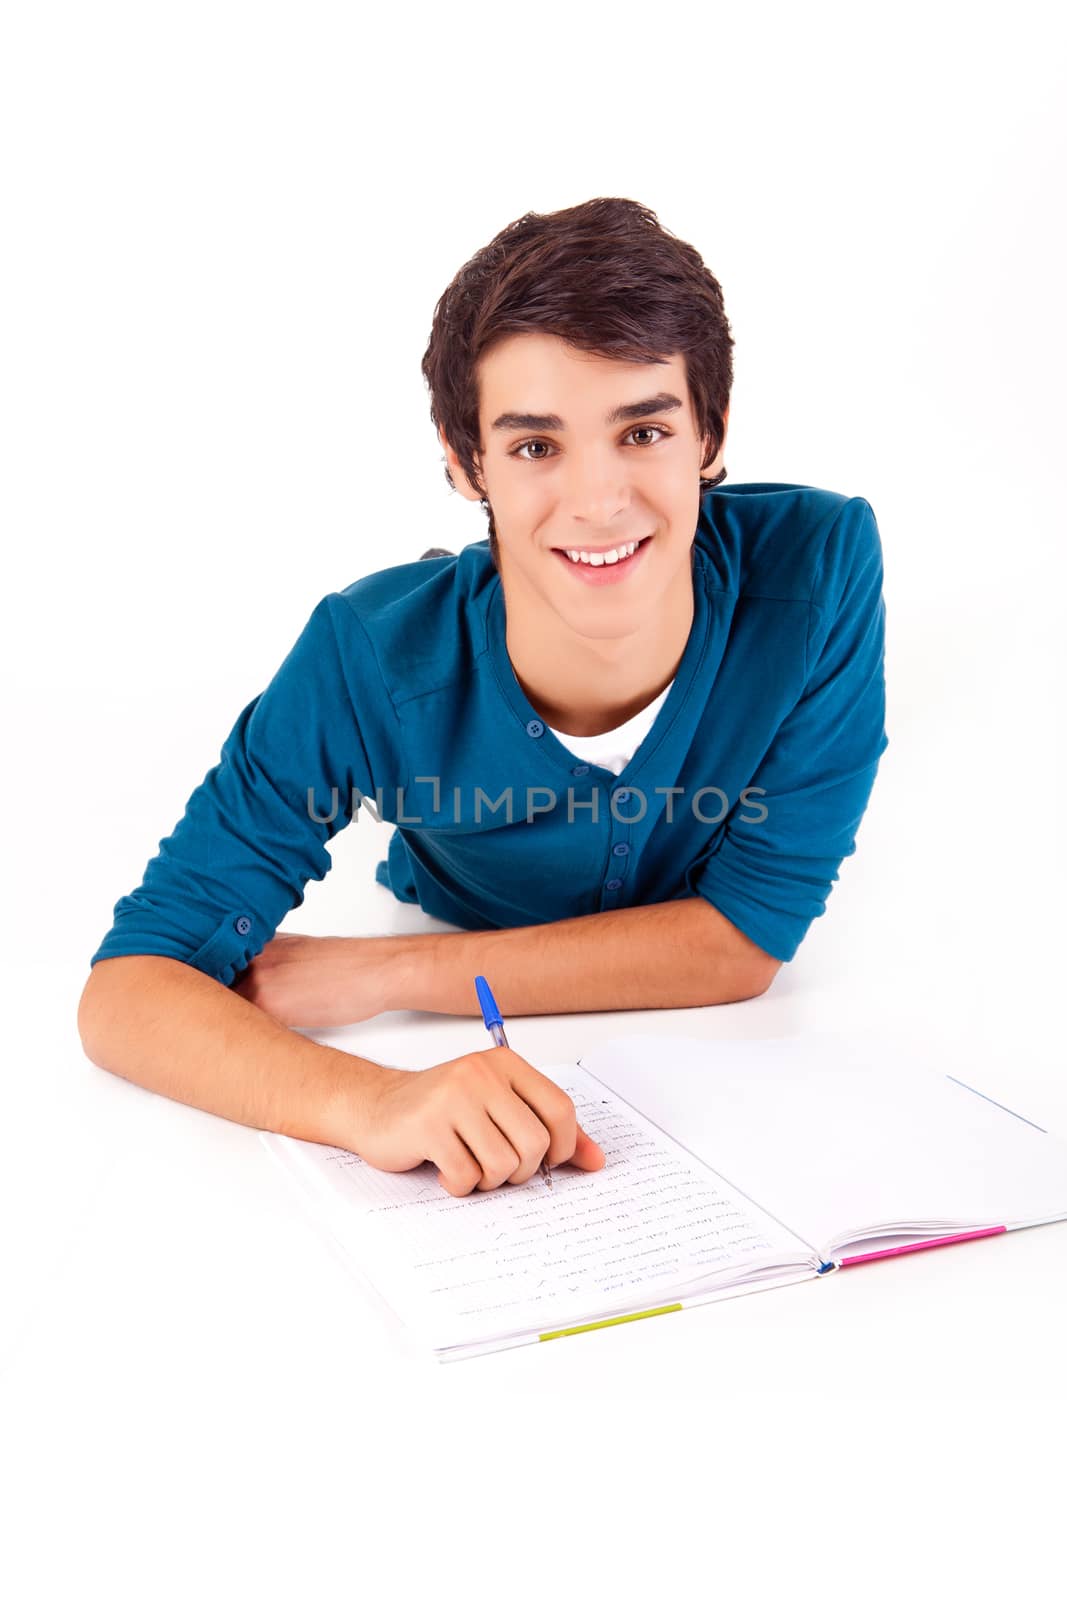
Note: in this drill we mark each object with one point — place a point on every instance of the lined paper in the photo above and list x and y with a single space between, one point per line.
463 1269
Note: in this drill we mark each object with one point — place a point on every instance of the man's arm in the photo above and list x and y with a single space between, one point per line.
678 953
484 1118
673 954
815 779
173 1030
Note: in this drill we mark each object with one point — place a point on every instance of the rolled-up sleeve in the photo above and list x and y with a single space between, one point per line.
255 830
772 875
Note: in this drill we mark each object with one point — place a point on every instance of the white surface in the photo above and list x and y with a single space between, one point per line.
189 1367
227 230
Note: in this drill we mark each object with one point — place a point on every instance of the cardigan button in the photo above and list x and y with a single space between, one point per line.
534 728
580 772
243 926
620 850
613 883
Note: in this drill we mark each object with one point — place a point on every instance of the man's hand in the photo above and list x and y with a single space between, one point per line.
483 1119
307 982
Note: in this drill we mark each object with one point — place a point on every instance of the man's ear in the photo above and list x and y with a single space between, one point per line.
716 466
459 477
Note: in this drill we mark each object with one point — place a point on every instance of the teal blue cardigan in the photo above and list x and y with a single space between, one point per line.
398 704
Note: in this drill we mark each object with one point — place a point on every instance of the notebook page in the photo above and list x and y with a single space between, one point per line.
459 1270
838 1137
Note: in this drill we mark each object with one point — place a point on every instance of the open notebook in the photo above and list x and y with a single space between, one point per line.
731 1166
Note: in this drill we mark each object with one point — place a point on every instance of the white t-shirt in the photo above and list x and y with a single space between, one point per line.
614 749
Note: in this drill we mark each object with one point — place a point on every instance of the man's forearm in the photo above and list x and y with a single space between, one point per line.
679 953
171 1029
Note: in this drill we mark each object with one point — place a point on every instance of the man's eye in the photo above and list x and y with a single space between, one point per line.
528 444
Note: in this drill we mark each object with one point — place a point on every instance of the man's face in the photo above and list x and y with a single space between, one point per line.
585 454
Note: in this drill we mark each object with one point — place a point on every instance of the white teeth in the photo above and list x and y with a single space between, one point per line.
604 557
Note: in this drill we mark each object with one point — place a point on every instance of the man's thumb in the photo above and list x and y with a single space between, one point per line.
587 1153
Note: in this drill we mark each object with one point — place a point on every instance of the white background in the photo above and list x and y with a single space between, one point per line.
226 227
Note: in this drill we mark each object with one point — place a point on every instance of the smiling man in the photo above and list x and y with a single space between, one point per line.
625 742
599 514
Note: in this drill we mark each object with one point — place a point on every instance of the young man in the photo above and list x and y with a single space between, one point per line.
625 743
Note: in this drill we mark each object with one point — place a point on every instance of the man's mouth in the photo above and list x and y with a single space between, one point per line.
604 567
599 556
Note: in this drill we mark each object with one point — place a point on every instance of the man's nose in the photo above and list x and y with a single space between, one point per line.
596 488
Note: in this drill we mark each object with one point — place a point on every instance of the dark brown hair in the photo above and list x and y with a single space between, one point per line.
604 276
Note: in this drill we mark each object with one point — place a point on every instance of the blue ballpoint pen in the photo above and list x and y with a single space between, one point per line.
492 1019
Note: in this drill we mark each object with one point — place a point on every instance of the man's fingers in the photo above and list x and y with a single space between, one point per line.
524 1130
457 1170
552 1108
501 1123
490 1160
495 1154
555 1109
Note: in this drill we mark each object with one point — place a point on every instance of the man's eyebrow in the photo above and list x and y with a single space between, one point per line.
632 413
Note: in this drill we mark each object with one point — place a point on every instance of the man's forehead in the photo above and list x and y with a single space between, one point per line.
535 376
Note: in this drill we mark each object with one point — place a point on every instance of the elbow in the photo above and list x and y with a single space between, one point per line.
108 994
88 1020
93 1011
125 996
758 978
744 969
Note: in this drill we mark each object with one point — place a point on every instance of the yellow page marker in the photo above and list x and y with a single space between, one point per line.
609 1322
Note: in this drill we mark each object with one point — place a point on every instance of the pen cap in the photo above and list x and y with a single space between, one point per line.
490 1009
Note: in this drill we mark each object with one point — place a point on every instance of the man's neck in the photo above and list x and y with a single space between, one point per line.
584 686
